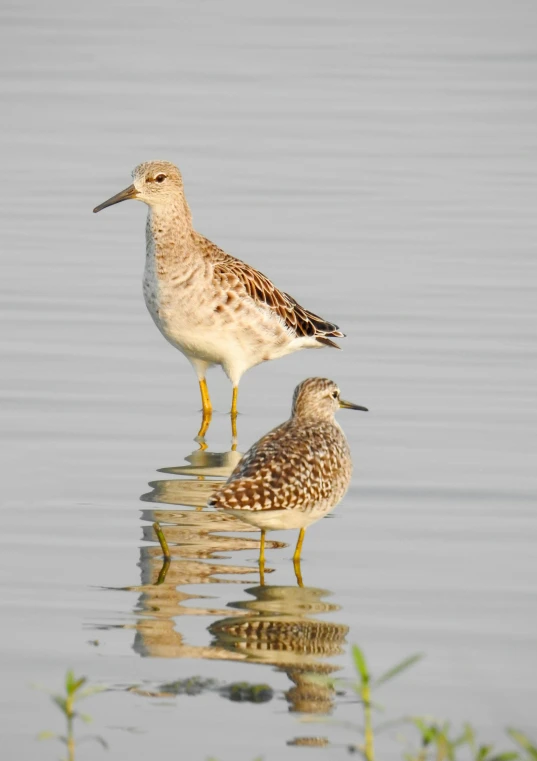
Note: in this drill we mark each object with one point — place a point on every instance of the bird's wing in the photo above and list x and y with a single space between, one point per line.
281 471
230 271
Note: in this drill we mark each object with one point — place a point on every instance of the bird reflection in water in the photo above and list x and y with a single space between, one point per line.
196 538
275 625
199 541
279 628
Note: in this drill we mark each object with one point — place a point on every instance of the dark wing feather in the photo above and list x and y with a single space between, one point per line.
264 292
284 469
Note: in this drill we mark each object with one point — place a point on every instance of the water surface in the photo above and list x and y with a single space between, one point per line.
377 163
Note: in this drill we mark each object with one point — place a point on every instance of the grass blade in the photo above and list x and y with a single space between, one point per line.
60 702
79 683
46 735
396 670
360 663
524 741
93 690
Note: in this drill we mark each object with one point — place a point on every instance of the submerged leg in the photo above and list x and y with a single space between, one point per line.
298 572
234 412
162 540
207 408
262 558
262 547
163 571
298 550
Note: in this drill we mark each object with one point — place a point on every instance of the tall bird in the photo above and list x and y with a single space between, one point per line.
214 308
295 474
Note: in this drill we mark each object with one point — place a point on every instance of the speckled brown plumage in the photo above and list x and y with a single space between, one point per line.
301 469
292 466
303 635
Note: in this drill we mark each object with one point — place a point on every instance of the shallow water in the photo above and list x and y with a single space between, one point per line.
378 165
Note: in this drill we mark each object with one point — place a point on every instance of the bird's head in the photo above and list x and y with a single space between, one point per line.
156 183
319 398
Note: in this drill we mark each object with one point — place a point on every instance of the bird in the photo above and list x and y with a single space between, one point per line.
214 308
296 473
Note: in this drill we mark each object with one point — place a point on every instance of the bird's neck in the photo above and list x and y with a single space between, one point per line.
312 417
169 235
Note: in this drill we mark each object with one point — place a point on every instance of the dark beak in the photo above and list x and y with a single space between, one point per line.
351 406
125 195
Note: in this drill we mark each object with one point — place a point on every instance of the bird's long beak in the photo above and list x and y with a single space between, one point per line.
351 406
129 192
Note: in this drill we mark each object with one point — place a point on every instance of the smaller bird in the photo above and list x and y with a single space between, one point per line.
297 473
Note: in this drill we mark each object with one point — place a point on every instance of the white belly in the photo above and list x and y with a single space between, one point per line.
207 314
236 339
182 320
279 520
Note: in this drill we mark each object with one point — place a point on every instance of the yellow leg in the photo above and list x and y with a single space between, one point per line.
205 398
262 558
262 547
296 557
298 573
163 571
162 540
207 408
298 550
234 412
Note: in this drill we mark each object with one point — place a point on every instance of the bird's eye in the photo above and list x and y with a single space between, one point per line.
334 394
160 177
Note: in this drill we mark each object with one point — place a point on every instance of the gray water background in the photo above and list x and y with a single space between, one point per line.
377 161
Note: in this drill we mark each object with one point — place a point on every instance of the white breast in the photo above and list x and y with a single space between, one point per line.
204 324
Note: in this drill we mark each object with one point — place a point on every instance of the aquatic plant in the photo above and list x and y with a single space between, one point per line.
74 692
363 688
437 744
437 740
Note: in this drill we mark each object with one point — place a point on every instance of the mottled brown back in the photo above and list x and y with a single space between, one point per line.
229 271
295 465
